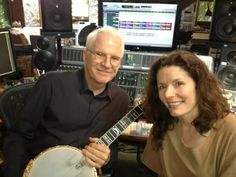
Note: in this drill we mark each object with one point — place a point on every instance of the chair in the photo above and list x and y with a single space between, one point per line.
12 100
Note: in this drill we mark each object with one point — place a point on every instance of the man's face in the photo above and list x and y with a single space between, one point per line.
102 61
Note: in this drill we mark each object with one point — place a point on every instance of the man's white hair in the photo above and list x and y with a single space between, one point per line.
91 38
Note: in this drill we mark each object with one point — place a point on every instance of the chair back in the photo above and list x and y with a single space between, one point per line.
12 100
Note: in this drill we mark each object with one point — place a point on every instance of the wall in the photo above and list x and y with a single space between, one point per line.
31 11
32 18
93 11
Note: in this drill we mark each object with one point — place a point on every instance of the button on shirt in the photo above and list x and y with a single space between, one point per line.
62 110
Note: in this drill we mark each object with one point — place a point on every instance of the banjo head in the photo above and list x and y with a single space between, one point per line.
59 161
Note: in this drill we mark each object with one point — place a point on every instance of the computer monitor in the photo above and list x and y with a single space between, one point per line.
145 26
7 56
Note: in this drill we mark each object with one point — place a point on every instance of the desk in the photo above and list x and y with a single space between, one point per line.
136 134
133 138
138 141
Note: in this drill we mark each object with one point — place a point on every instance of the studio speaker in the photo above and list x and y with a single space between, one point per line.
227 70
56 15
44 52
85 32
223 25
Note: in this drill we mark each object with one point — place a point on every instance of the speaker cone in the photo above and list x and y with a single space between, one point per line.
231 58
56 15
57 19
227 75
226 29
44 60
42 43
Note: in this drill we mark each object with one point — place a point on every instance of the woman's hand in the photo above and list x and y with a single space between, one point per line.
96 154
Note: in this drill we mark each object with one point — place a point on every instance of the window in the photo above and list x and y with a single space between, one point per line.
204 13
80 10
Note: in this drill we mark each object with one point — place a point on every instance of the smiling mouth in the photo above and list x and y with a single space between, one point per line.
103 72
174 104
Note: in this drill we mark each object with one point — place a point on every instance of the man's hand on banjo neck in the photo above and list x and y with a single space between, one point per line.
96 155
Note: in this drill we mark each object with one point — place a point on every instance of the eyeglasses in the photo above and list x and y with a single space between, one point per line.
114 60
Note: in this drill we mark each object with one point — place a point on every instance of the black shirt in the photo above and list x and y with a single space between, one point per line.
62 110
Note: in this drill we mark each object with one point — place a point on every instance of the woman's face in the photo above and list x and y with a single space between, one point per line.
177 90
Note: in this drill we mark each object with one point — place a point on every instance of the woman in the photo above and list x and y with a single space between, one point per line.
194 133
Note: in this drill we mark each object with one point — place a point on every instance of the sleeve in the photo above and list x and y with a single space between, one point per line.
228 169
18 138
227 153
151 157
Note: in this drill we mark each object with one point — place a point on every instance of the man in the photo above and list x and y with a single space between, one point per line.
71 108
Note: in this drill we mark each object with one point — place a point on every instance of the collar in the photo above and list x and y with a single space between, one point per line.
83 86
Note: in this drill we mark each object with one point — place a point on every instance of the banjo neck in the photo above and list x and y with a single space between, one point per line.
114 132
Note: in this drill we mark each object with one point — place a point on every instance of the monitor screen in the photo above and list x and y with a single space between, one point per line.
144 26
7 55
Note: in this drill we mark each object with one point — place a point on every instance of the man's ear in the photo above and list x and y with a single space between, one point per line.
84 55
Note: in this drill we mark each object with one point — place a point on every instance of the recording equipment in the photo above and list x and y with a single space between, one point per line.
56 15
73 55
208 60
44 52
145 26
231 97
223 27
227 70
8 66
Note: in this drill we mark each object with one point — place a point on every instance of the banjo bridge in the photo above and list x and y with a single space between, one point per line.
79 165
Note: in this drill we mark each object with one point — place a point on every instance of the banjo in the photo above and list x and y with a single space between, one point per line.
68 161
